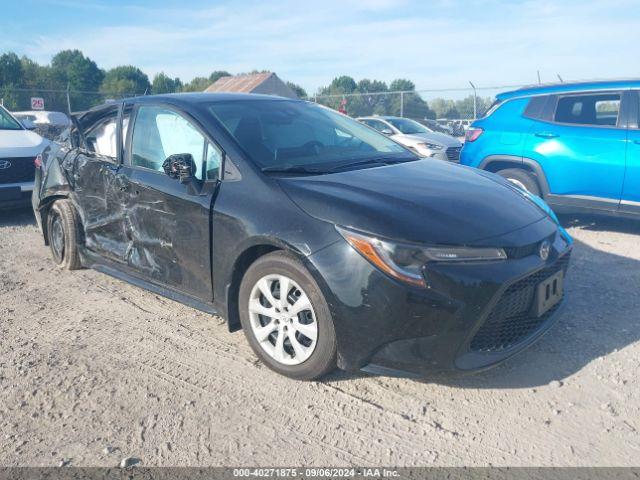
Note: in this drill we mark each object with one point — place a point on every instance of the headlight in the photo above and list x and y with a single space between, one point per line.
430 146
404 262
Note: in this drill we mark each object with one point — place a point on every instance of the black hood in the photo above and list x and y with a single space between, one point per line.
423 201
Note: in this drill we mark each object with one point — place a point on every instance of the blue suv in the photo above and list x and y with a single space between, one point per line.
577 145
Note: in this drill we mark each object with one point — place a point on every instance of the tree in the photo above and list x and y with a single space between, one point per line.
343 84
164 84
71 68
198 84
217 74
401 85
125 80
297 89
10 69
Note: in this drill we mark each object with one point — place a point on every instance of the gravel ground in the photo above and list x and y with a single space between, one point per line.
93 370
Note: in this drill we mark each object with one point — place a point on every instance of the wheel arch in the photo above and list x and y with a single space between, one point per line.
244 260
43 211
494 163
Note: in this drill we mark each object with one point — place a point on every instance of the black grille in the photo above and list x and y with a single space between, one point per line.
19 170
526 250
512 319
453 154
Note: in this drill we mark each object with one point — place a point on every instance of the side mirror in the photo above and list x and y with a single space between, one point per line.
28 124
386 131
180 166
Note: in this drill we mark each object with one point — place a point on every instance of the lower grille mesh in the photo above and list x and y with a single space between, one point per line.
17 170
512 320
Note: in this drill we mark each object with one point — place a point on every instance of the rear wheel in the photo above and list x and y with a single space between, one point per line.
63 231
286 318
522 179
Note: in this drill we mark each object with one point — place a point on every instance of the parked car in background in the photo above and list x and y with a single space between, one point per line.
19 150
416 136
326 242
47 124
434 126
577 145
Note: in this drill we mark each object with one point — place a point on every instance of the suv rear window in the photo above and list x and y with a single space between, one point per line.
600 110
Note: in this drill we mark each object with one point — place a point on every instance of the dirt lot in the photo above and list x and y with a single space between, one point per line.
93 370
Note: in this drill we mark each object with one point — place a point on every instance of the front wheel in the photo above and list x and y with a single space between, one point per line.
286 318
63 234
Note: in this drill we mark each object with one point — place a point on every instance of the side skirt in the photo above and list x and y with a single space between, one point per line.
152 287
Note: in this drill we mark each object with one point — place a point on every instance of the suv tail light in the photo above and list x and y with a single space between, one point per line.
472 134
37 162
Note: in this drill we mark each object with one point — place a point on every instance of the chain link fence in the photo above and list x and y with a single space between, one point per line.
19 99
445 110
448 111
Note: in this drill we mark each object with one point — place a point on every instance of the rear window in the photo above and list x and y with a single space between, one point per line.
599 110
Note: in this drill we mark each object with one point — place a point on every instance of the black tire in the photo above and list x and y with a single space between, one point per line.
522 178
63 232
323 358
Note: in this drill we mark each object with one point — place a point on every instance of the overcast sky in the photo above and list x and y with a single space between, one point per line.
437 44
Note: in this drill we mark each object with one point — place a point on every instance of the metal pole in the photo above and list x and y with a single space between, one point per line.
68 100
402 104
539 77
475 100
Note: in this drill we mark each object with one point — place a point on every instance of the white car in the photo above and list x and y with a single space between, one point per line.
19 149
47 124
416 137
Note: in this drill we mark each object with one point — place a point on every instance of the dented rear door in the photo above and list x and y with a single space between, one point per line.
96 190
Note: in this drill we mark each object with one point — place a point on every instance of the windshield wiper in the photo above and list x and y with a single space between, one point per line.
370 161
291 169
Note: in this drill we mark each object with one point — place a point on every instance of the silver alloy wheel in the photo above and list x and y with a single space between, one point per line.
518 183
282 319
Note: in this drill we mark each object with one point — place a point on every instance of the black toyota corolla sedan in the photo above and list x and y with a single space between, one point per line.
326 242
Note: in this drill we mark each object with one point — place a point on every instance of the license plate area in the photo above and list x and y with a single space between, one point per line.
549 293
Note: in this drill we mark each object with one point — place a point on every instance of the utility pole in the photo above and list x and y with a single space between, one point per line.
68 99
539 82
475 100
401 104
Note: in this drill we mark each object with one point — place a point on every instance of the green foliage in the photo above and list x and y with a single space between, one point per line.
10 69
125 80
297 89
217 74
369 97
164 84
198 84
71 68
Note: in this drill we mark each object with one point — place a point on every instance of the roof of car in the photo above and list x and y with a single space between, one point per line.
586 86
192 97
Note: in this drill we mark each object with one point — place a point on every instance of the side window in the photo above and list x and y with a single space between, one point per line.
160 132
101 136
214 161
126 122
535 107
599 110
379 126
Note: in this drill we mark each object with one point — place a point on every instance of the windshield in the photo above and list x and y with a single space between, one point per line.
284 134
7 122
408 126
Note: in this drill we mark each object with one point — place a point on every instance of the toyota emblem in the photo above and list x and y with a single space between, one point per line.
4 164
545 249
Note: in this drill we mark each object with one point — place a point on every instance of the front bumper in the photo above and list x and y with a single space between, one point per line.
384 326
14 195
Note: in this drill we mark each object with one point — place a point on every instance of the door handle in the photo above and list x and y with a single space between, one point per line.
546 135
